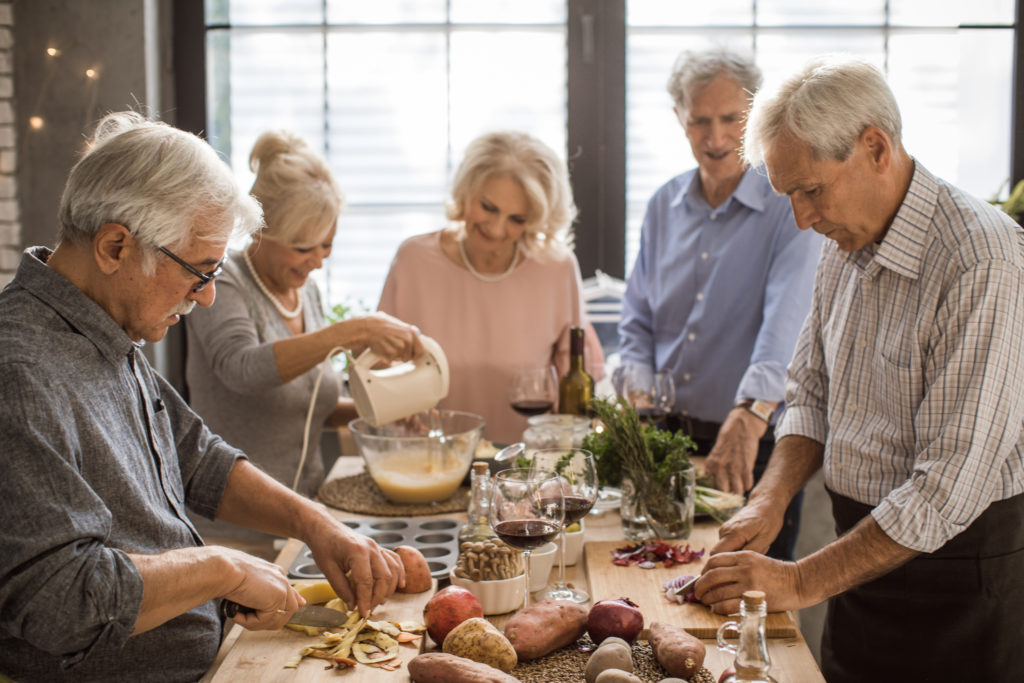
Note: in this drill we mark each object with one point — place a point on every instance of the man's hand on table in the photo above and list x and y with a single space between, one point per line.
362 573
731 460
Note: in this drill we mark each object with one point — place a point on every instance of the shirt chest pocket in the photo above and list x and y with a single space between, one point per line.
897 367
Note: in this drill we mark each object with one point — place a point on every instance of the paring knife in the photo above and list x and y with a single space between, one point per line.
307 615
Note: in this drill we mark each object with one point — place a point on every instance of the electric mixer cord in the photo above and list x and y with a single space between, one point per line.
309 413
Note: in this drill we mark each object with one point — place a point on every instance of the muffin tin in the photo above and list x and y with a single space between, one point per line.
437 538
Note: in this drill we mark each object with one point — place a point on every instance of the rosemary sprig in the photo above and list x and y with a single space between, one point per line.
632 441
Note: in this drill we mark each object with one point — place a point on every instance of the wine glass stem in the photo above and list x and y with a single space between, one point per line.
526 575
561 564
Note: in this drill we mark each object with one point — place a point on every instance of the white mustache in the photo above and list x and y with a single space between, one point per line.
184 308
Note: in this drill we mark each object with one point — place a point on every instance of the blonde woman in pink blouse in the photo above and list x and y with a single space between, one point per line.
499 287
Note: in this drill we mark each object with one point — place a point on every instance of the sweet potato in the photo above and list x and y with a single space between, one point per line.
677 651
438 667
417 571
545 626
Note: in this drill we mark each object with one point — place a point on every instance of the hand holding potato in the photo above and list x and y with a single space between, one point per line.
363 573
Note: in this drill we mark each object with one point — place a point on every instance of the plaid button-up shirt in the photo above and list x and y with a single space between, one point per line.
909 368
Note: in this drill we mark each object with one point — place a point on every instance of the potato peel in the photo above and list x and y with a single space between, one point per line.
360 640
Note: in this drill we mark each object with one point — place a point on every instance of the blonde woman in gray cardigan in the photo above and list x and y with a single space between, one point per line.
254 356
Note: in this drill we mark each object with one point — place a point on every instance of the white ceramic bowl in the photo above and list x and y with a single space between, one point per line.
573 547
496 597
541 561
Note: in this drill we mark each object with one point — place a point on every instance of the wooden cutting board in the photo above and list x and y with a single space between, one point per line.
643 586
258 656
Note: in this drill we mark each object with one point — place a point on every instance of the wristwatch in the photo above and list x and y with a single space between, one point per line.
763 409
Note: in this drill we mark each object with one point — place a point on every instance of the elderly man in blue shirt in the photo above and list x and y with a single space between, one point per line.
722 282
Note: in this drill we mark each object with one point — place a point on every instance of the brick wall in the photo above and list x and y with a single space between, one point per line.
10 227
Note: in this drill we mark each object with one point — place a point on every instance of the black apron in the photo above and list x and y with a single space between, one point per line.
953 615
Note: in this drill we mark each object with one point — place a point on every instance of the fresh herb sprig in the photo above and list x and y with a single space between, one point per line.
665 451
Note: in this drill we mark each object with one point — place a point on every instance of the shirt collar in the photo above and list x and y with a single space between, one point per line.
747 193
902 248
72 304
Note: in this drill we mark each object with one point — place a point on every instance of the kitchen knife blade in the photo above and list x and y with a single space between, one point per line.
307 615
687 587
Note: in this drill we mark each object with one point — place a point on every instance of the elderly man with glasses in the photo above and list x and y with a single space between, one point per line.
103 576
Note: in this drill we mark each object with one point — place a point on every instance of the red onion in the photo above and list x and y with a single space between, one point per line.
614 618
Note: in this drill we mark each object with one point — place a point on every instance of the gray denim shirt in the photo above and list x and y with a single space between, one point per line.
100 457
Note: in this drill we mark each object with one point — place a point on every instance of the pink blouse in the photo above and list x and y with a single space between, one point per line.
490 329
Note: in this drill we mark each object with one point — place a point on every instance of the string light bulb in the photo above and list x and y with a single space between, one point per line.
91 73
52 51
36 122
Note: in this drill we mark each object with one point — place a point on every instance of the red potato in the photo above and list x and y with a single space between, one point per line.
448 608
417 571
439 667
678 652
545 626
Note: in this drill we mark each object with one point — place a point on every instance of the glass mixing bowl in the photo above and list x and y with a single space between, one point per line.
422 458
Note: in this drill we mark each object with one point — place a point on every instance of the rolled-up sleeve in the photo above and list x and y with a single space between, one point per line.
969 420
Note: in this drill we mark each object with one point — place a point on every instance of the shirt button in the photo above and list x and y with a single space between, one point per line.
685 412
714 216
704 256
700 296
691 336
686 377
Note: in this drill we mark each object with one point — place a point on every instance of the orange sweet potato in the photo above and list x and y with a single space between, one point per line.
417 571
440 667
545 626
678 652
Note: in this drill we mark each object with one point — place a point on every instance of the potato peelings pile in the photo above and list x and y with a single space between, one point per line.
360 640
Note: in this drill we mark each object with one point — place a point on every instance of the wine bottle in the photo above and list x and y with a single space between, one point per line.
576 388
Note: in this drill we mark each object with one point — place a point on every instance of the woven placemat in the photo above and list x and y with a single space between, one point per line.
359 493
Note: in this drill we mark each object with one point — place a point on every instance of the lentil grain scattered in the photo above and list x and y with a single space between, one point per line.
567 664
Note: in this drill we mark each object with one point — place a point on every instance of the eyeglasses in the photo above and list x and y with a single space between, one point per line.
204 278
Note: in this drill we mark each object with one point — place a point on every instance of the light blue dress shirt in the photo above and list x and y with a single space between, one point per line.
718 295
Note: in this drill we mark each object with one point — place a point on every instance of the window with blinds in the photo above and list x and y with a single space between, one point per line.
949 62
392 91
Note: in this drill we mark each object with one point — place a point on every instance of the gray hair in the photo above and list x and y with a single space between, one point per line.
163 184
826 105
542 174
300 198
694 70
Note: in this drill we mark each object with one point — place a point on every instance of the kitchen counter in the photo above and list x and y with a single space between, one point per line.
259 656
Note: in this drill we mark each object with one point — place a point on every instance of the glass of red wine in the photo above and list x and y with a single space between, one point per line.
533 390
527 511
577 475
651 393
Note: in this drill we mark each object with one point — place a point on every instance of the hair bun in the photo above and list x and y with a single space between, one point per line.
271 145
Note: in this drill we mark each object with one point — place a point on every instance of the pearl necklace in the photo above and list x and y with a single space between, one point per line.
273 299
481 276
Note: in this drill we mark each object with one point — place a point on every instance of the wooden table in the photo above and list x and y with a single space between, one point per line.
792 661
